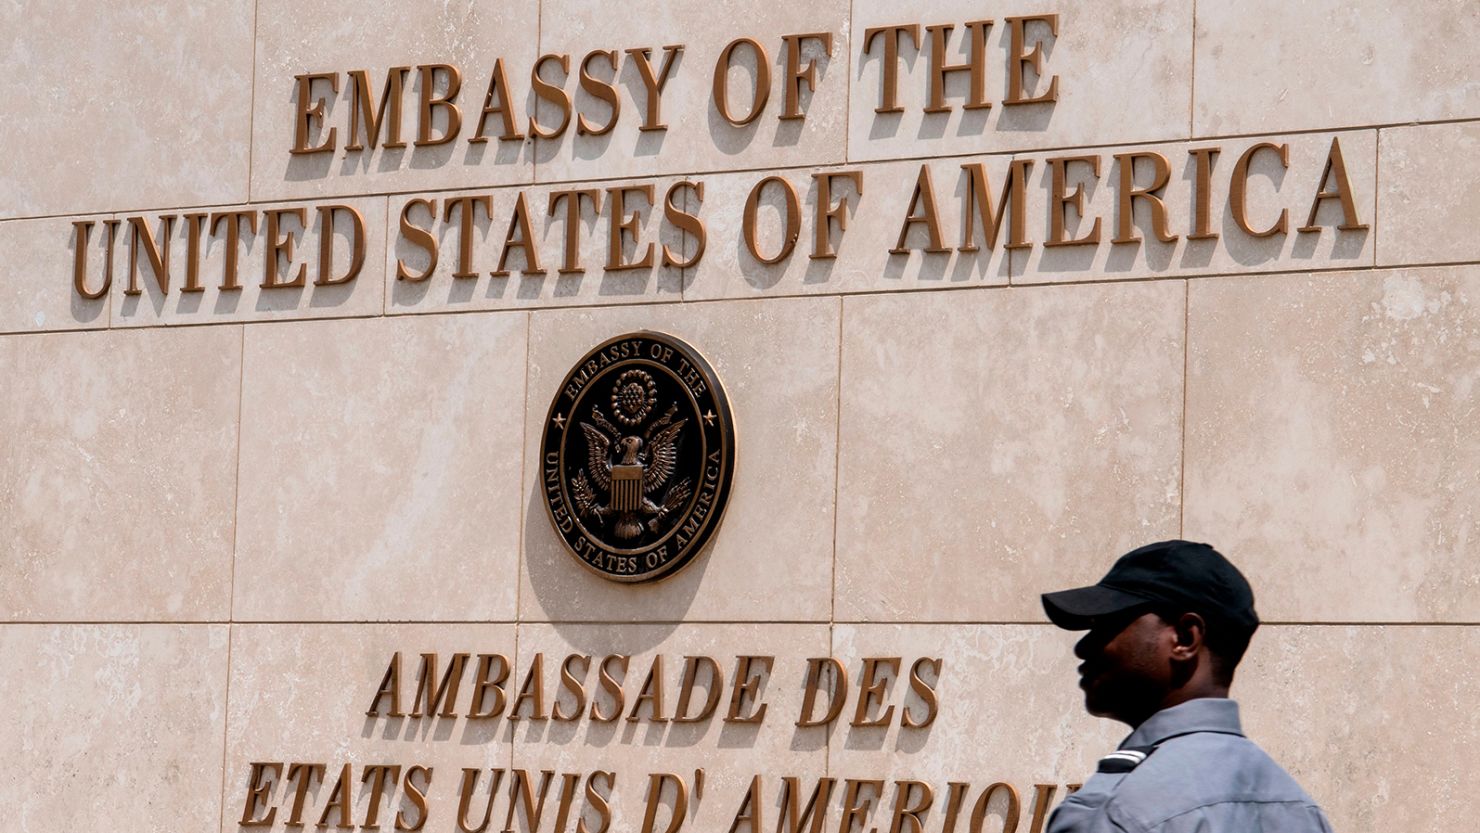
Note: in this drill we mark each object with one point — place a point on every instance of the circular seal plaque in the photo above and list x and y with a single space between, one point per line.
637 456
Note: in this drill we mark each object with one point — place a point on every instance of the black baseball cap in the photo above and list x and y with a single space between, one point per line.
1177 576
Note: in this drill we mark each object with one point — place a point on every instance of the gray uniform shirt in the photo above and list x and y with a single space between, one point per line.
1203 777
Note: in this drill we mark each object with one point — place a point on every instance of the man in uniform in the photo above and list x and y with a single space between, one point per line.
1167 626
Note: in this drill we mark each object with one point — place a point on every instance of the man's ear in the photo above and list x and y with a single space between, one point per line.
1190 630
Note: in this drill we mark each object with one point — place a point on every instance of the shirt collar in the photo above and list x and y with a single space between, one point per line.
1205 714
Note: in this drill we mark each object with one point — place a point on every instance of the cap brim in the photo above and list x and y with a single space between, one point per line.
1082 608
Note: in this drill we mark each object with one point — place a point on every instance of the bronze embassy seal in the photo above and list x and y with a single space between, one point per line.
637 457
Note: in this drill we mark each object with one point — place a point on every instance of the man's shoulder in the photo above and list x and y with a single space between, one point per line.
1204 770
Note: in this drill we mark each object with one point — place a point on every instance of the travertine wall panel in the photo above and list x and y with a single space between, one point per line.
545 278
381 469
117 474
1273 65
297 38
1427 194
1124 70
779 363
729 753
698 136
874 217
1274 194
124 107
978 464
1377 723
1331 440
301 693
1008 710
37 259
113 727
139 299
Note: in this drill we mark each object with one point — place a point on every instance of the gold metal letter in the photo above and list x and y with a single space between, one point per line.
326 245
467 216
686 222
747 686
621 224
1202 211
571 264
976 62
387 114
793 219
1009 817
606 91
159 255
306 113
553 93
486 680
498 87
82 230
854 813
686 685
826 212
903 810
889 85
978 202
1060 202
419 237
653 118
762 81
922 210
233 221
427 699
430 102
1238 191
796 74
1335 165
282 246
656 782
836 700
417 795
390 687
1017 59
1125 228
871 688
259 793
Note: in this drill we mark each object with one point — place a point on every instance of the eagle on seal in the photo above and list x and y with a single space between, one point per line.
630 470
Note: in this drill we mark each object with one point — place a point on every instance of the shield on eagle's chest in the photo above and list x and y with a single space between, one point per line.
627 487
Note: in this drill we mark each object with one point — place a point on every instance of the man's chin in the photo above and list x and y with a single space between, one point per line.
1095 704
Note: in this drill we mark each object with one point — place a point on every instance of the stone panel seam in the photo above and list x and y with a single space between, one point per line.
1376 197
657 302
1344 128
683 271
225 734
1182 457
848 89
252 107
236 497
386 279
523 467
1009 255
680 174
534 140
1192 79
832 609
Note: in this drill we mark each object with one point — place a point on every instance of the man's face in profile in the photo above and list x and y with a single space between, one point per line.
1126 670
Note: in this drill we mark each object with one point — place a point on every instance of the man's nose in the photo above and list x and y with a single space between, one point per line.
1083 649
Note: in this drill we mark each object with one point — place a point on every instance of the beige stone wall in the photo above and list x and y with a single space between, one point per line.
222 512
